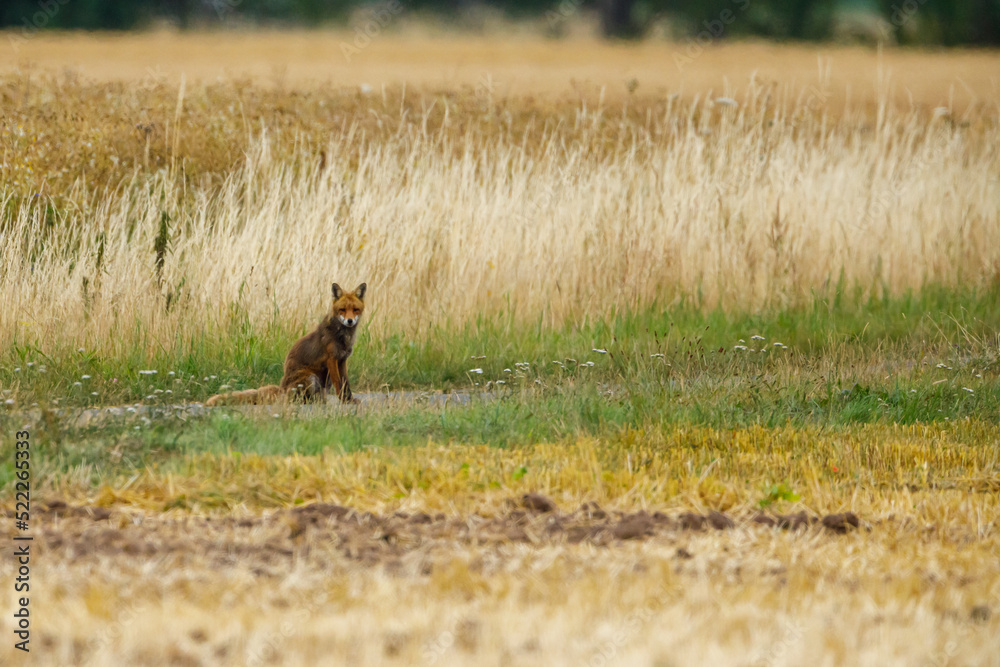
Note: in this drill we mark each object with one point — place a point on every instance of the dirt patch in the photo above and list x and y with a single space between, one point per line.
336 531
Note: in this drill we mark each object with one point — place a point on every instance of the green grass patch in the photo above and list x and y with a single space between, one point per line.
788 396
858 342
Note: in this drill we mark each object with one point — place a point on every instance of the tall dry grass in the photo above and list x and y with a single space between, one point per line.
763 199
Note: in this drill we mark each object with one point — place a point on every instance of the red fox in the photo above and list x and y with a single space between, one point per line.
317 361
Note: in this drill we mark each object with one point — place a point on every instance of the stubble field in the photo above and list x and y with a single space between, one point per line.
729 325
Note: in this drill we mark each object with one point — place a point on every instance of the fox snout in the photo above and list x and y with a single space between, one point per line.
347 321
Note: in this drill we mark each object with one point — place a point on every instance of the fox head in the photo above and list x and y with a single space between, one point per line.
348 306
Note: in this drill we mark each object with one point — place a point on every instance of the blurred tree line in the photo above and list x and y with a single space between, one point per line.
947 22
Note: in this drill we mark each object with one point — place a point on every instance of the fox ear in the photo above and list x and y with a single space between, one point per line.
362 288
337 291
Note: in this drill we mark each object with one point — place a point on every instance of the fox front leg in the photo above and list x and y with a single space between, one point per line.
345 392
334 379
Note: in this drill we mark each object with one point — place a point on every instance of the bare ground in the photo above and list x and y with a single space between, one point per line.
530 585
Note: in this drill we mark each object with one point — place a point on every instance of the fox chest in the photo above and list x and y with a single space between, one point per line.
340 349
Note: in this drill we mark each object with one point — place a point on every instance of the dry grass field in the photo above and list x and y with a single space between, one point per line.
716 305
453 567
455 204
515 65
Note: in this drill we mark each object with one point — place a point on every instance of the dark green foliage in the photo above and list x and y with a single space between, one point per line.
944 21
948 22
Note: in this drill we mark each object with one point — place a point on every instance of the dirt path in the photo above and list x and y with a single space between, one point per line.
73 532
84 417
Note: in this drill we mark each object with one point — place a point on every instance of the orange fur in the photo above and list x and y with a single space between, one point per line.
317 362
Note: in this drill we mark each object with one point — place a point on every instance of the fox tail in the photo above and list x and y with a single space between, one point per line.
266 394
